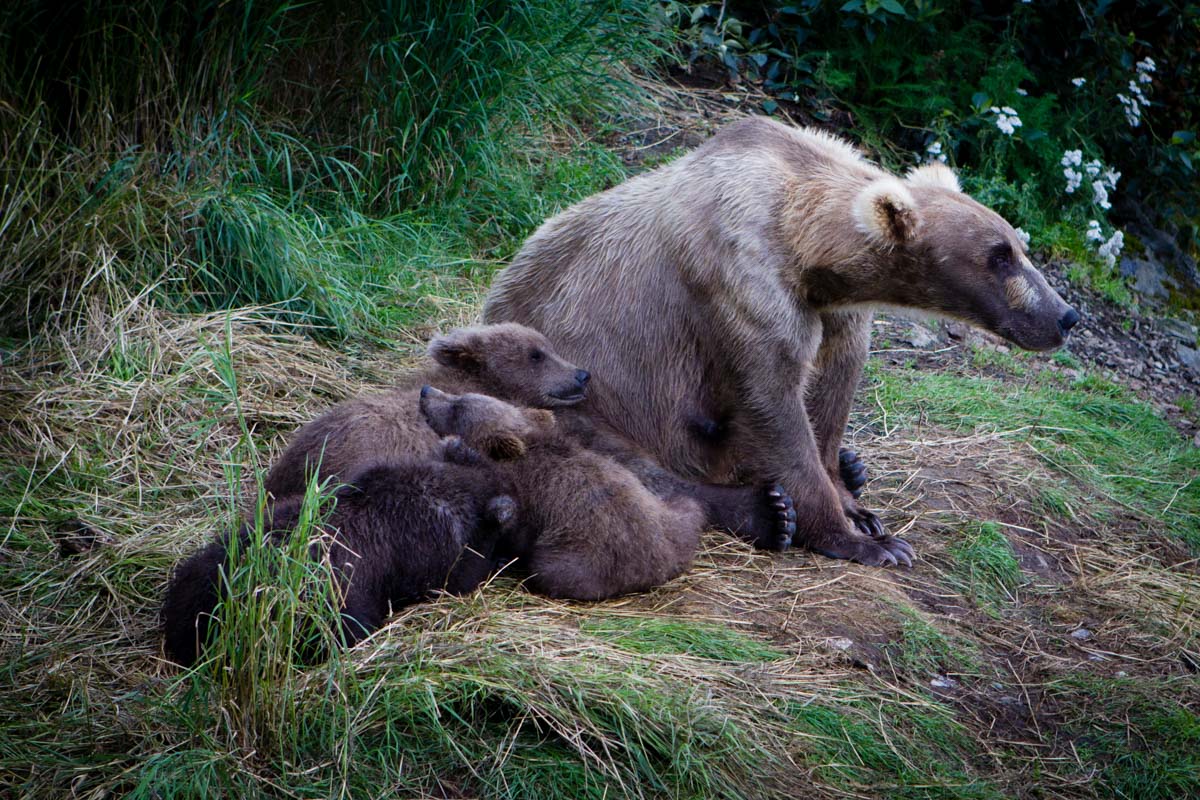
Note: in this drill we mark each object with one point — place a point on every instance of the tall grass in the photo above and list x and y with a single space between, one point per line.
279 153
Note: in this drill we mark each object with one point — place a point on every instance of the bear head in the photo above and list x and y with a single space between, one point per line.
945 253
513 361
497 429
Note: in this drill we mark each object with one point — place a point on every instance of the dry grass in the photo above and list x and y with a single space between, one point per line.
129 433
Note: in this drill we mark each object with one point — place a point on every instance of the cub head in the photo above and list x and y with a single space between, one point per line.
514 362
495 428
953 256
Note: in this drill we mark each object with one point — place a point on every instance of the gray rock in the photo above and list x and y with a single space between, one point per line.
1189 357
920 336
1178 329
1082 634
1149 276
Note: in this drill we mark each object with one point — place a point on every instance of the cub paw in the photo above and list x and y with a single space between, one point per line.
780 518
853 471
456 451
502 510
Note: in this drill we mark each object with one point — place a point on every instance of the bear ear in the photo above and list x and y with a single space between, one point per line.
886 212
459 349
541 418
934 174
504 446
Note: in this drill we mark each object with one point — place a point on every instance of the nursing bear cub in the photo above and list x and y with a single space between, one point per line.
397 532
588 528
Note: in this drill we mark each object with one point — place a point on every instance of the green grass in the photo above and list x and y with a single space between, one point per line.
903 749
985 567
1145 745
682 637
923 649
1114 451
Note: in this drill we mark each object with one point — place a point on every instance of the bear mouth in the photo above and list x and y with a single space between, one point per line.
566 397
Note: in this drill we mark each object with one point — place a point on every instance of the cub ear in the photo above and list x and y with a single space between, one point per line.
934 174
459 349
540 418
886 212
504 446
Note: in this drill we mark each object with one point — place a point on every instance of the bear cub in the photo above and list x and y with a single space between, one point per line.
587 528
509 361
397 533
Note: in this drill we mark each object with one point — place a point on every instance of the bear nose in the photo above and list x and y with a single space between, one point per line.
582 376
1068 320
425 390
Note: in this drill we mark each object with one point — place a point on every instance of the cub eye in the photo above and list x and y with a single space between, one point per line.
1001 257
536 355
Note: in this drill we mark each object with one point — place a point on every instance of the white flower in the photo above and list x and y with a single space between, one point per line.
1145 65
1072 158
1111 176
1073 179
1144 77
1022 235
1110 250
1133 110
1094 234
1078 82
1100 195
934 152
1022 92
1093 167
1006 119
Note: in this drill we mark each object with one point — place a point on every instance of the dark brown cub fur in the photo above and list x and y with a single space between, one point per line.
398 532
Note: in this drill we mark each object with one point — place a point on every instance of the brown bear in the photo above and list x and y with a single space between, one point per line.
725 300
506 360
587 528
514 363
397 532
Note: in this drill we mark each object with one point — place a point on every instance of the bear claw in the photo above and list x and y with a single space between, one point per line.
852 470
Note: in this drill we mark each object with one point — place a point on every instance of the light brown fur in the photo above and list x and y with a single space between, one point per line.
385 427
592 529
738 283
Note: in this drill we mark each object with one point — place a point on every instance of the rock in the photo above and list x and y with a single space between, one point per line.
1196 439
1178 329
1190 357
919 336
943 682
1149 276
1082 634
840 643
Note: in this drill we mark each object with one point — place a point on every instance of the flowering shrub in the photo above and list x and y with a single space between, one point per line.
1034 104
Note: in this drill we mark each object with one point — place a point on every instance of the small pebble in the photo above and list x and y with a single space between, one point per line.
1082 634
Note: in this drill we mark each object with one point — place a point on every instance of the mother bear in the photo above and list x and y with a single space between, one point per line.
723 303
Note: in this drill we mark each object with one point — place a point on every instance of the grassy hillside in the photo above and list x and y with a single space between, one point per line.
196 267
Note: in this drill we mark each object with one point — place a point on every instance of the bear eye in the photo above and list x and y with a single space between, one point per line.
1001 257
536 355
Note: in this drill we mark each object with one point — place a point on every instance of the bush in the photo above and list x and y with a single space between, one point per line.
272 153
1035 103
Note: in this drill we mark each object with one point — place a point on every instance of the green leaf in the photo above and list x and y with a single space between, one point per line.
770 106
1183 137
893 6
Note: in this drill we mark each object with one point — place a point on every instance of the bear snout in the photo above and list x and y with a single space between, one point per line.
582 377
1068 321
